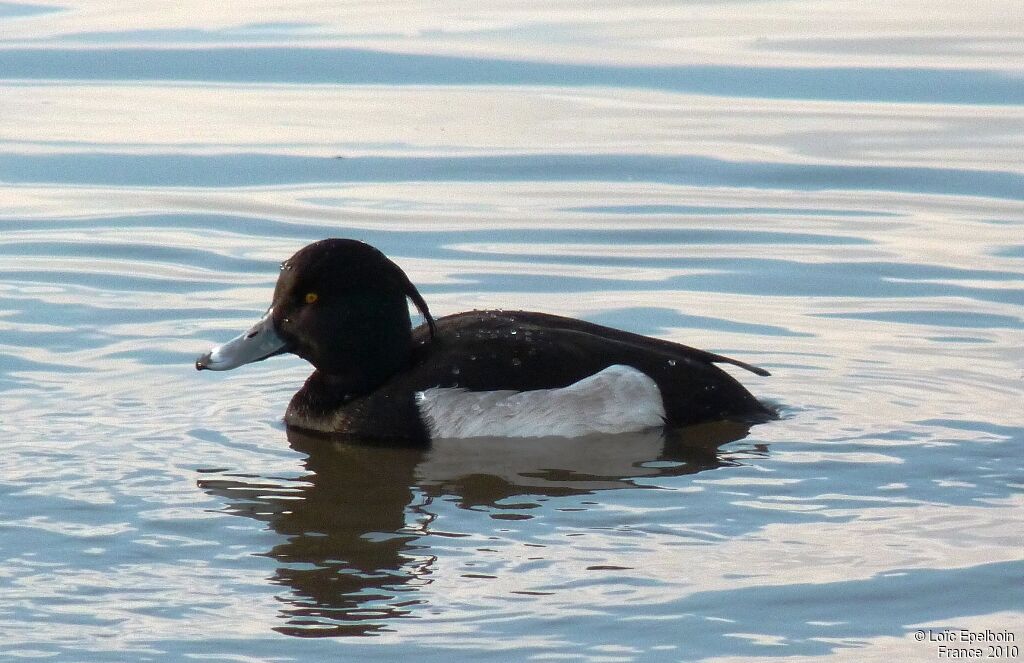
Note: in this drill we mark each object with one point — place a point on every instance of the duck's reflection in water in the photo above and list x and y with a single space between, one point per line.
354 553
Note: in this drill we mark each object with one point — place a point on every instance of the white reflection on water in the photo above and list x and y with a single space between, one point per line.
210 119
919 33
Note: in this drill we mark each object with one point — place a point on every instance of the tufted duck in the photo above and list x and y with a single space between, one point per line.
341 305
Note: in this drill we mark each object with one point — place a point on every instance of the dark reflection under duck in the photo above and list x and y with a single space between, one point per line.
353 554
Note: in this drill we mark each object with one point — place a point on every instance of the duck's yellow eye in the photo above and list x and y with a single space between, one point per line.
311 297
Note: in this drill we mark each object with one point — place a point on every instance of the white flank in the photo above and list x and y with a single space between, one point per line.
619 399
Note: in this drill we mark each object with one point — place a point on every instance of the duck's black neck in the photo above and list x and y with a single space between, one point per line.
365 349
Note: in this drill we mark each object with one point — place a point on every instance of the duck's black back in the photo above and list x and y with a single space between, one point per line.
494 350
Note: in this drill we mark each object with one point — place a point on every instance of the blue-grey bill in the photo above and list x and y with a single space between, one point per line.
259 342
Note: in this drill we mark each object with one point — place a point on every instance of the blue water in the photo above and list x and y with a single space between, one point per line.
346 66
833 195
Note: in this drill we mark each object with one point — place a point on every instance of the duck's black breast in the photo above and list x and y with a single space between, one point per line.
525 351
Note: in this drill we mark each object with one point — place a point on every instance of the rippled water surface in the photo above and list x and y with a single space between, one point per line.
834 194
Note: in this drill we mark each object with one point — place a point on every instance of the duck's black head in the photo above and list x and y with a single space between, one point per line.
339 304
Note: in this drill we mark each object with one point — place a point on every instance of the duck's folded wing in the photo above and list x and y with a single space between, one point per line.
545 321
